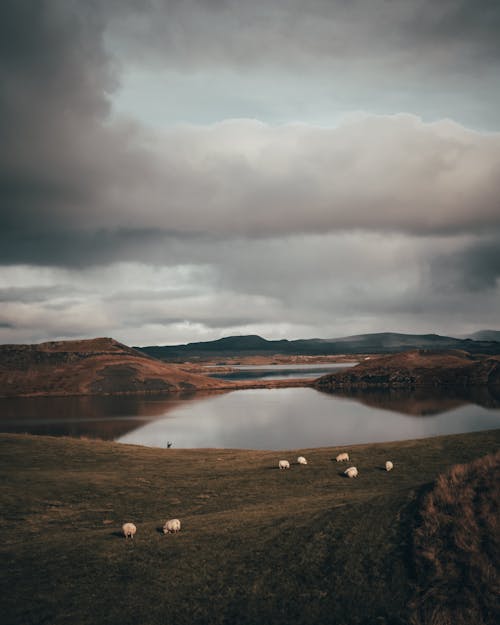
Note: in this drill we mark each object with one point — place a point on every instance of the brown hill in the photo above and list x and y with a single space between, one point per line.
100 366
419 368
456 547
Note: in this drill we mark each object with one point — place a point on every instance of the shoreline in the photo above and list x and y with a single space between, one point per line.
494 432
223 387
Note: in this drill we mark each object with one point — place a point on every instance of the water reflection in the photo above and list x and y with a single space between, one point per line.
279 372
300 418
421 402
256 418
107 417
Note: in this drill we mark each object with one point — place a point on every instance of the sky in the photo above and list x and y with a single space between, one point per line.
176 171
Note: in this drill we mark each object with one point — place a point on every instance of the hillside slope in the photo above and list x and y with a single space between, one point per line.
420 368
257 546
457 547
99 366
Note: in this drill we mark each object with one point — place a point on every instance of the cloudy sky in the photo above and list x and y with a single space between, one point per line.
182 170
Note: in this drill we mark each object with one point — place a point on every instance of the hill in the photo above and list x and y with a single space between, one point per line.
257 545
419 368
457 547
100 366
384 342
485 335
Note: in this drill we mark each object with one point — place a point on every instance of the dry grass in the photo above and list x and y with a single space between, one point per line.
457 547
258 546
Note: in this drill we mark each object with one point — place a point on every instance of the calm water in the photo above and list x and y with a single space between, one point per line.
257 418
280 372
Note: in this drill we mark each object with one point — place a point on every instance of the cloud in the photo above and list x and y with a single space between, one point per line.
475 268
246 179
80 187
301 286
109 226
294 35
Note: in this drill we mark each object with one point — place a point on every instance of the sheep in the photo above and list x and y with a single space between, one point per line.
389 466
129 530
351 472
343 456
284 464
173 525
301 460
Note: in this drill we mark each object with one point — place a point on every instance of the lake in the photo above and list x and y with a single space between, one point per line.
280 372
286 418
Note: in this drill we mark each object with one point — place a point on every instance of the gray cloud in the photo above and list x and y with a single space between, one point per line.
33 294
283 61
292 34
244 178
302 286
183 233
78 187
473 269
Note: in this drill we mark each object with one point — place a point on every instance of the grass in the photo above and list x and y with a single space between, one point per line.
457 547
257 546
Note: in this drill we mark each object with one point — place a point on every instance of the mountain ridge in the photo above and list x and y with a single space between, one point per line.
374 343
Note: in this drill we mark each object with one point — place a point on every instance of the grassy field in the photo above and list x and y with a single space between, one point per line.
258 545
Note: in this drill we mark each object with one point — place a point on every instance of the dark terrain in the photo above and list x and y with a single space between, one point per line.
257 546
425 368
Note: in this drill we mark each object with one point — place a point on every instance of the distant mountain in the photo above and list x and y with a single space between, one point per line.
485 335
380 343
99 366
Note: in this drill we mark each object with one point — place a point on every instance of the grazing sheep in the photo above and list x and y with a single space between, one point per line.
173 525
284 464
351 472
389 466
129 530
301 460
343 456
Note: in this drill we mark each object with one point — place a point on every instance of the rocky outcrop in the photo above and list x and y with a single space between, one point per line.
418 369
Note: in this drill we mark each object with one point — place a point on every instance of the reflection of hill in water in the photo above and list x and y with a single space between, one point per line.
421 402
102 417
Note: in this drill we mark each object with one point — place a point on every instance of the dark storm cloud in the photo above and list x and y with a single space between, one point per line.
78 188
33 293
463 21
58 155
473 269
77 248
196 34
480 264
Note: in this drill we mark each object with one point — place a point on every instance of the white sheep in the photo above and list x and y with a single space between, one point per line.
301 460
342 457
284 464
351 472
173 525
389 466
129 530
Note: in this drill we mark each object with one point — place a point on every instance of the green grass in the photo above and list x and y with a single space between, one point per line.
257 546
